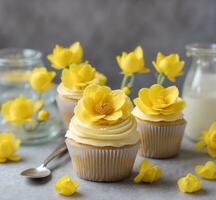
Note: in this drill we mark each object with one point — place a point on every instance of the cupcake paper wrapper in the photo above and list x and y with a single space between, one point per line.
66 108
160 141
102 164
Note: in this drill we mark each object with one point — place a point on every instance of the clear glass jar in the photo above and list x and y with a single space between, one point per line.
15 66
199 89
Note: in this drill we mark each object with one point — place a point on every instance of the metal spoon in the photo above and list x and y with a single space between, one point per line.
42 171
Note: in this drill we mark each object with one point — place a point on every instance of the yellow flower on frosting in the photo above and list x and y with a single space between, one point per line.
63 57
79 76
208 139
101 106
132 62
189 183
170 65
206 171
148 173
20 110
41 79
43 115
9 144
158 101
65 186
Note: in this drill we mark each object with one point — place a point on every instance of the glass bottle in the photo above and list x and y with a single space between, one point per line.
199 89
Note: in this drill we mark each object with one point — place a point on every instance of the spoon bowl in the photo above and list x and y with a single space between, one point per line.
39 172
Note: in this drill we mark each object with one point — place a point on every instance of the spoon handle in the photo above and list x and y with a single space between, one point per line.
61 149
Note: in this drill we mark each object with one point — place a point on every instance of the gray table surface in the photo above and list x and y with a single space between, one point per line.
14 186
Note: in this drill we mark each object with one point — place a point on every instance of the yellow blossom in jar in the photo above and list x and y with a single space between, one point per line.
158 101
77 51
208 139
63 57
126 90
20 110
206 171
41 80
9 144
79 76
132 62
189 183
148 173
65 186
43 115
170 65
101 106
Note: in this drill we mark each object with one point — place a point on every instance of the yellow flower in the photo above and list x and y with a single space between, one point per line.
20 110
126 90
41 79
170 65
148 173
77 51
63 57
132 62
43 115
208 139
79 76
9 144
206 171
158 101
189 183
65 186
101 106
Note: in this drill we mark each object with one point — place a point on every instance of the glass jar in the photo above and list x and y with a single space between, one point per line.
199 89
15 67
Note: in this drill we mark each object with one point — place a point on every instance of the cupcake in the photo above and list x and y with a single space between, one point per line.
160 121
102 138
73 81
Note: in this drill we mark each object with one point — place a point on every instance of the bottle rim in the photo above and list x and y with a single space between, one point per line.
18 57
195 49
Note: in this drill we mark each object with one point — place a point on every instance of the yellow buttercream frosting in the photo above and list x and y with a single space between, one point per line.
118 135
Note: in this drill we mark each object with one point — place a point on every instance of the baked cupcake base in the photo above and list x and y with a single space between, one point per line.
105 164
66 108
160 139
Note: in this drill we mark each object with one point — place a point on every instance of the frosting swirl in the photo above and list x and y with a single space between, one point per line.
119 135
139 114
69 93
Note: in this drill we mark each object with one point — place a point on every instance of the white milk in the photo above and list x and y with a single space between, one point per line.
200 113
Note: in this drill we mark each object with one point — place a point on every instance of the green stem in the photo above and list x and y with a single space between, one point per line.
160 79
33 128
124 81
130 84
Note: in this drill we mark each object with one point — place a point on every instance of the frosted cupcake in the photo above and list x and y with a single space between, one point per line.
73 81
102 138
160 121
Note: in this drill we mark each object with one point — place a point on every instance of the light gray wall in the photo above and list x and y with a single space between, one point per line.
106 27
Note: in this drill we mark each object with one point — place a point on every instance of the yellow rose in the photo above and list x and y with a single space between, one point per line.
132 62
189 183
65 186
9 144
20 110
170 65
43 115
208 139
206 171
158 101
79 76
77 51
101 106
63 57
41 79
148 173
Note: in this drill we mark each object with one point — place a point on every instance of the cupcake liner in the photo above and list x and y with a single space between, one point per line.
160 140
105 164
66 108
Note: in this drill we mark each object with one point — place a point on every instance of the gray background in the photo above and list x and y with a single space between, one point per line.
106 28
